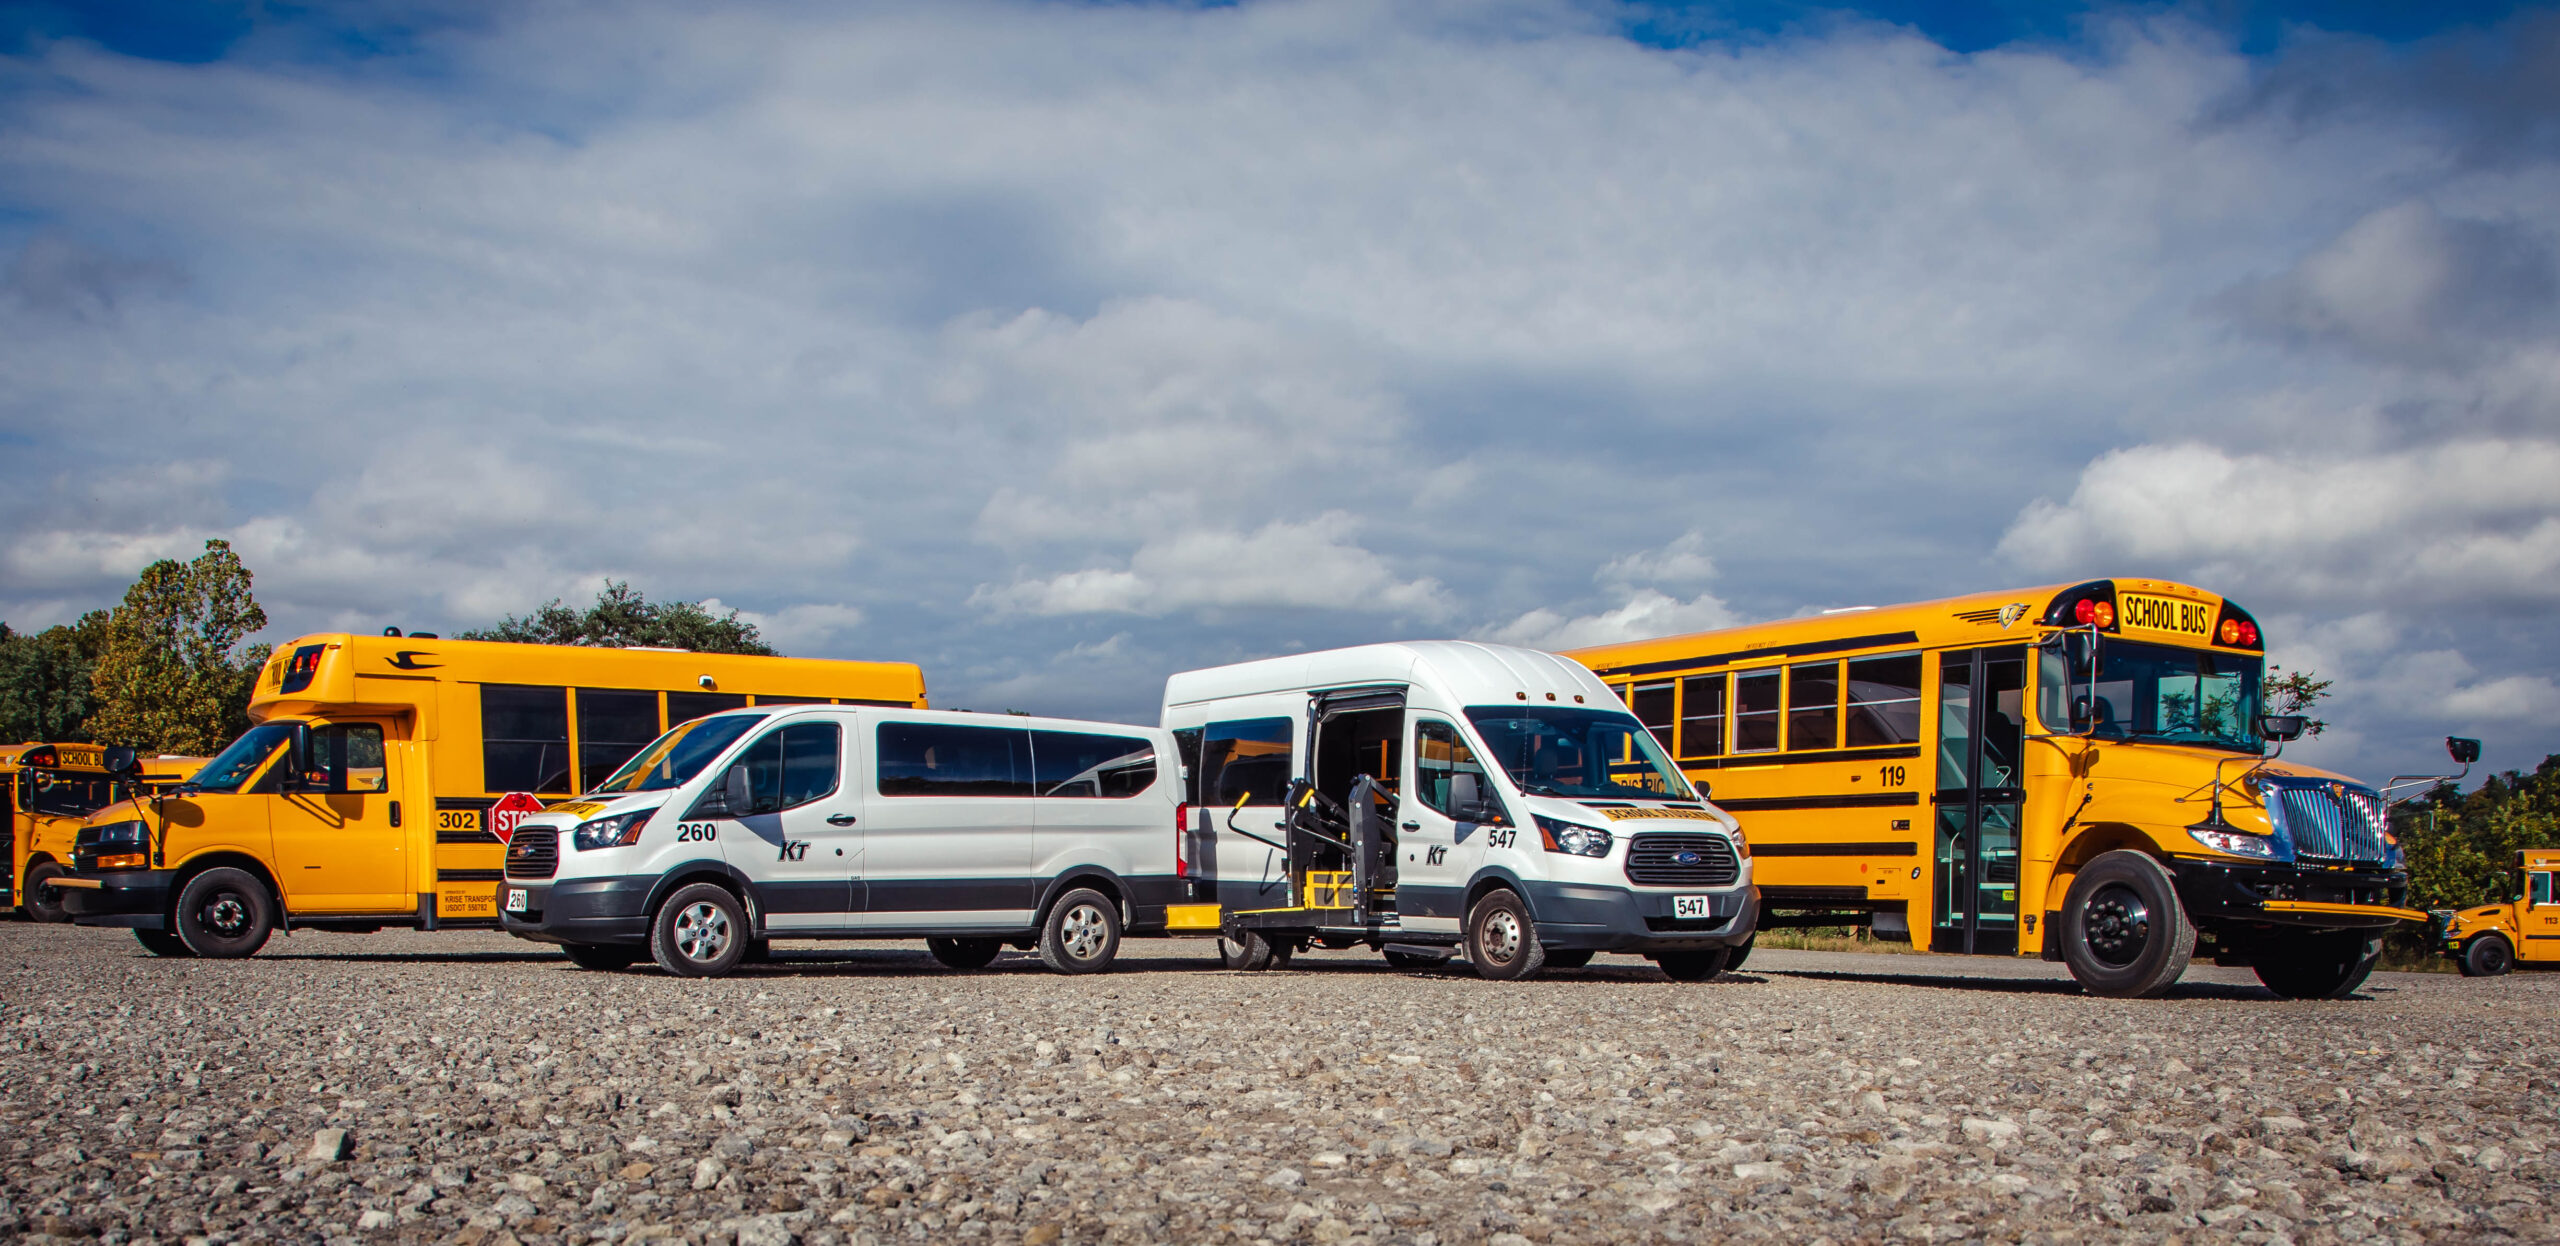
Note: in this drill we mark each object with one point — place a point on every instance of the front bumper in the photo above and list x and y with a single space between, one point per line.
138 899
1579 916
2306 897
608 910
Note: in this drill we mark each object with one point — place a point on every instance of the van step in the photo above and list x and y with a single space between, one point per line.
1420 949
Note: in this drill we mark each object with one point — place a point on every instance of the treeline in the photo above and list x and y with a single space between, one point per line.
2462 845
170 669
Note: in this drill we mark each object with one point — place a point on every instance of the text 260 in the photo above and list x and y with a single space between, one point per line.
690 832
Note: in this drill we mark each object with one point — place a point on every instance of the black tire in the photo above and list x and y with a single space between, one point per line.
162 943
1502 939
2488 956
700 932
41 899
2324 964
2124 934
225 913
1250 951
1414 960
1568 958
965 953
604 957
1082 933
1740 952
1695 966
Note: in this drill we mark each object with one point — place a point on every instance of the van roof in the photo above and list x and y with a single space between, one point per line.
1471 672
976 718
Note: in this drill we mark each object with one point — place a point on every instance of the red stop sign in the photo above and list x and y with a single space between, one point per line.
509 813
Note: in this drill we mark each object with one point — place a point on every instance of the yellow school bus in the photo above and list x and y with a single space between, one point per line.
2078 771
50 790
382 773
2525 930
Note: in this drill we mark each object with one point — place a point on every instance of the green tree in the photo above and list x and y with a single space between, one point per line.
2462 846
622 618
172 675
44 679
2295 692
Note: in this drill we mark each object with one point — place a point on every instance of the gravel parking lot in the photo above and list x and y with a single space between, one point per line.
471 1088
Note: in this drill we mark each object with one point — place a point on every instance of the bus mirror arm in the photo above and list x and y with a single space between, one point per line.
2464 751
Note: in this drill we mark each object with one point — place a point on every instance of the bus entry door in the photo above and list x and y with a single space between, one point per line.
339 842
1981 745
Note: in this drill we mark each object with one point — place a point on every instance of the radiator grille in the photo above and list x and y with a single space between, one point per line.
534 852
2333 822
1657 861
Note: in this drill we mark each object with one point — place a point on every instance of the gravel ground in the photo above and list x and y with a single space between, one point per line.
470 1088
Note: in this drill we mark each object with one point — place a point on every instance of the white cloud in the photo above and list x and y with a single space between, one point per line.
795 629
1309 565
1648 613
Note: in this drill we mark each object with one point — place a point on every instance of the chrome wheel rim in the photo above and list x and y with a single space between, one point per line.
226 916
702 931
1501 937
2117 926
1082 932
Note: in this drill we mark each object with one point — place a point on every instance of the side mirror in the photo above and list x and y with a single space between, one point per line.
2282 728
122 762
1704 789
735 799
300 761
2465 751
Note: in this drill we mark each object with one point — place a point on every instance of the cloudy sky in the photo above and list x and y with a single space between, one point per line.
1061 346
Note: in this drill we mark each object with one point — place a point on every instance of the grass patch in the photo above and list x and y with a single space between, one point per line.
1827 939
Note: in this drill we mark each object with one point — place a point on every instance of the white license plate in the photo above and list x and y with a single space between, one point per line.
518 899
1684 908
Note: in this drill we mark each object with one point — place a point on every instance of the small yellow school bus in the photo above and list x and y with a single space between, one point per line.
2078 771
383 773
50 790
2525 930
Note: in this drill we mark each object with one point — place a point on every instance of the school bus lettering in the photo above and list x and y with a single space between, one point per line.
2143 612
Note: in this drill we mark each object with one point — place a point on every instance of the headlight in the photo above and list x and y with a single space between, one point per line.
1573 838
619 830
1741 843
2237 844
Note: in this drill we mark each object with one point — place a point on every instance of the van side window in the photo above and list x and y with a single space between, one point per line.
793 766
1076 763
524 738
613 724
1450 772
943 759
1248 757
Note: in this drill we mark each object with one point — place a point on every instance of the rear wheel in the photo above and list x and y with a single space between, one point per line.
964 953
605 957
225 913
2325 964
162 943
2488 956
1082 933
2124 934
43 900
1568 958
700 932
1502 940
1694 966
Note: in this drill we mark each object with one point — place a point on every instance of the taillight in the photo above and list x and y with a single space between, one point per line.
2248 633
1181 829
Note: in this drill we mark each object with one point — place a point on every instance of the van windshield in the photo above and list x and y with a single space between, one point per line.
1577 753
237 764
678 755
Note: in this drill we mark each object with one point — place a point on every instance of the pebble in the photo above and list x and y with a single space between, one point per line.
471 1089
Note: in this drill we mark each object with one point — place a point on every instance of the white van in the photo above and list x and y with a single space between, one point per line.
970 831
1445 796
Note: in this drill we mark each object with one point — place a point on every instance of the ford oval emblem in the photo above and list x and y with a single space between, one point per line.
1686 858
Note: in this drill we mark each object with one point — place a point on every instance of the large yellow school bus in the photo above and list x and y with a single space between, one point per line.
2078 771
50 790
383 772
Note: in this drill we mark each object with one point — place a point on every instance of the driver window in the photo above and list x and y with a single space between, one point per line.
1450 775
345 758
2541 889
793 766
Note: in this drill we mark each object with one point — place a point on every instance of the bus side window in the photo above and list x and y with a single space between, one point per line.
1652 706
2541 889
1701 716
1755 712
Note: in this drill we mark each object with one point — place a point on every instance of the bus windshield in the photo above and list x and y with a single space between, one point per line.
678 755
1577 753
2152 692
235 765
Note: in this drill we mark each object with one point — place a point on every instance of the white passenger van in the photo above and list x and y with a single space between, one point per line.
1445 796
970 831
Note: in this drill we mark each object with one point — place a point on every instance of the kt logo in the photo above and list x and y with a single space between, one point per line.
1438 854
793 850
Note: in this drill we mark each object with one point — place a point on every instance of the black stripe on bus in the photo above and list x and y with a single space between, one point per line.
480 803
1898 849
467 837
469 876
1805 650
1873 752
1853 800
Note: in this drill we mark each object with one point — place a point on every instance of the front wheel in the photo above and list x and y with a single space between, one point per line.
1695 966
2488 956
43 900
1740 952
2326 964
225 913
601 956
1502 940
161 943
964 953
1082 933
700 932
2124 934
